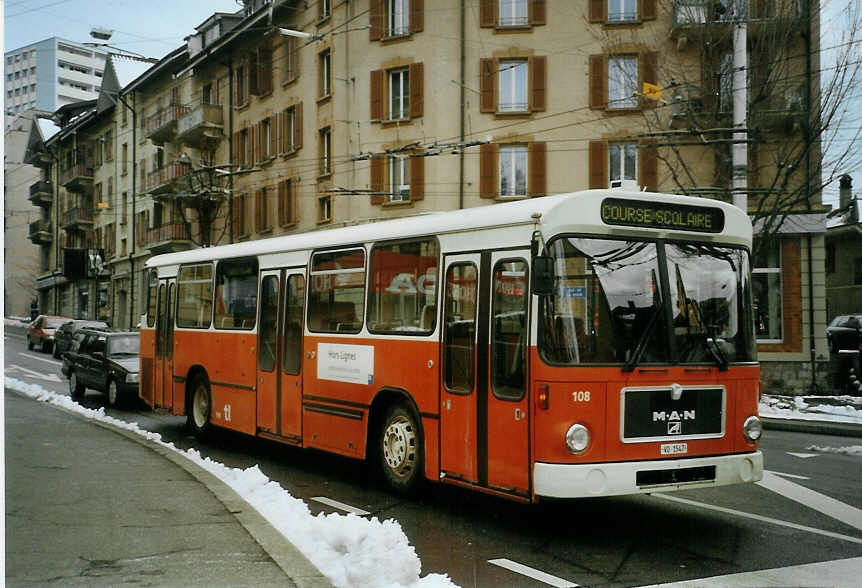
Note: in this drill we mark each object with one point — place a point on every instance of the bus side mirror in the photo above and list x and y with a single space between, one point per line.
543 275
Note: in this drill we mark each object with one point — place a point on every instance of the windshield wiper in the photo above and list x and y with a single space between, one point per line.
642 342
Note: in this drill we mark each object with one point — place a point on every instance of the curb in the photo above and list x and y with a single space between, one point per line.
805 426
286 556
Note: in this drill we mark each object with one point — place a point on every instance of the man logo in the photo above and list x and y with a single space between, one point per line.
674 428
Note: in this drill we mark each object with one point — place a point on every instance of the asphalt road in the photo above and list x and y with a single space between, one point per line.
806 511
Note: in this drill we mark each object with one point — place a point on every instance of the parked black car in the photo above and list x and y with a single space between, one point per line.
63 336
845 332
105 362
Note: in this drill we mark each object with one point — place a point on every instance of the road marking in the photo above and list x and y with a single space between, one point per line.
533 573
32 374
760 518
845 513
802 455
46 360
839 573
783 475
340 505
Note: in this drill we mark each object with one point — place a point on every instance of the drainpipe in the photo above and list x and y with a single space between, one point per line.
463 114
230 147
807 134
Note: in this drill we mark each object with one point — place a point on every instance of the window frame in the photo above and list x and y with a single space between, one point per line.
402 74
519 152
624 17
771 270
516 21
392 28
399 167
617 64
313 304
622 147
220 299
513 80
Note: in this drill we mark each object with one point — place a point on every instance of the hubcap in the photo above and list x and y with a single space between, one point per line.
399 446
112 393
201 407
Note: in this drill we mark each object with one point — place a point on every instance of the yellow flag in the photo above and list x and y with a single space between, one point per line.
652 91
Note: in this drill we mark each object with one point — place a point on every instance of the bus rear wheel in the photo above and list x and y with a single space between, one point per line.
200 407
400 449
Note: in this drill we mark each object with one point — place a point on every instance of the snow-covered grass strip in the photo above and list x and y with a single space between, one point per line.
839 409
855 450
349 550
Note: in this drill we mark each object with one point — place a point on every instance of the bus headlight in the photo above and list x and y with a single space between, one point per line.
131 378
577 439
752 428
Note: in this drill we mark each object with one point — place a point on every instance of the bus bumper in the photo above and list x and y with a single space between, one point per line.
637 477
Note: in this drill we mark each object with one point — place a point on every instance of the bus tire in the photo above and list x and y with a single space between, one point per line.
200 407
400 449
76 389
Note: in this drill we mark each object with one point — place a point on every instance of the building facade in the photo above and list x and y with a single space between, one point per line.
290 117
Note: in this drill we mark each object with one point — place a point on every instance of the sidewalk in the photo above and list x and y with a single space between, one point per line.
88 504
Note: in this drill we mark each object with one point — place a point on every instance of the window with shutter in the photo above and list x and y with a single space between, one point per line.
513 85
291 60
286 203
511 14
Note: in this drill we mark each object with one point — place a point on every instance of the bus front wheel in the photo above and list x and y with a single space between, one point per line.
400 449
200 409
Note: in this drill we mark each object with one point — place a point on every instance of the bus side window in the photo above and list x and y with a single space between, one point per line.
459 327
295 296
236 293
509 335
336 299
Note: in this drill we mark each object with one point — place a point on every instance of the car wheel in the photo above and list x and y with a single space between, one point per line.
54 352
29 344
200 408
46 346
76 389
115 397
400 449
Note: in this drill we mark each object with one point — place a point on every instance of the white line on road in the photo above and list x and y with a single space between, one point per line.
838 573
802 455
340 505
45 359
819 502
783 475
760 518
12 368
533 573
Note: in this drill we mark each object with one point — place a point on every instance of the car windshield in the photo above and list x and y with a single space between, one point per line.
53 322
125 345
637 302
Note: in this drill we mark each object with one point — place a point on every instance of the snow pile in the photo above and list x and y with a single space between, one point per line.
855 450
349 550
18 322
845 409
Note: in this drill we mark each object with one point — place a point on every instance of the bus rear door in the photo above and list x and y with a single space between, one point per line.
164 352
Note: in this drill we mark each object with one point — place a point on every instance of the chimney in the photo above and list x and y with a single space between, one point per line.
845 184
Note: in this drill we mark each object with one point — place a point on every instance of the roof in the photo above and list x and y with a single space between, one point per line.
562 213
166 64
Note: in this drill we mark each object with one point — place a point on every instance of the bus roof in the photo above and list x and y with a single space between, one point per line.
575 212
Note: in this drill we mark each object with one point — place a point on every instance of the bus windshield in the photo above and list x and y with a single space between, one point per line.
610 306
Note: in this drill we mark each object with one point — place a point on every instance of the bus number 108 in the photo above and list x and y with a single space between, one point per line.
581 396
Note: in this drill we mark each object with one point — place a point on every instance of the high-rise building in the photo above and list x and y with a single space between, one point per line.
49 74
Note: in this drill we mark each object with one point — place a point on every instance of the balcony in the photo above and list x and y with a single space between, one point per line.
162 180
78 178
78 218
696 17
202 123
687 102
42 193
169 237
782 108
40 232
162 126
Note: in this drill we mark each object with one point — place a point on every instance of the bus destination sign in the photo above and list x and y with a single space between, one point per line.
662 215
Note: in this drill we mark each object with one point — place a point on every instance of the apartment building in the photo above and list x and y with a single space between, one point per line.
51 73
289 117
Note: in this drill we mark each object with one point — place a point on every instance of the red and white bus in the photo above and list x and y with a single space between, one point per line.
587 344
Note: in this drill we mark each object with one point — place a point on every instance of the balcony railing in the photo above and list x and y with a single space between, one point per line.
40 232
204 121
41 193
78 217
691 13
162 126
169 237
162 180
78 177
783 98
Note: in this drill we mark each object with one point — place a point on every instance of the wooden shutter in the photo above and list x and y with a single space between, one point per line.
537 164
598 81
417 16
598 10
264 70
417 93
648 9
273 135
488 13
236 206
648 166
417 178
378 171
297 139
537 12
253 74
538 82
377 18
282 205
489 156
377 81
488 85
598 164
647 72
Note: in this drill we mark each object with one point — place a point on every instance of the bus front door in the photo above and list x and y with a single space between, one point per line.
280 331
164 352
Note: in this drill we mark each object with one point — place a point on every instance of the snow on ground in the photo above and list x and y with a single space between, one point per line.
855 450
15 321
842 409
349 550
